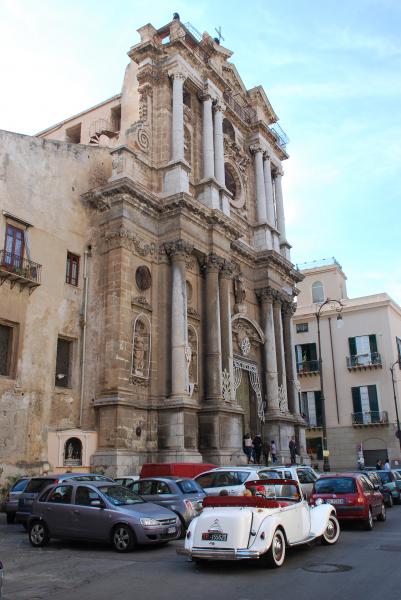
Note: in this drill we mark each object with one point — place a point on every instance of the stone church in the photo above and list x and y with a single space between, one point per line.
147 289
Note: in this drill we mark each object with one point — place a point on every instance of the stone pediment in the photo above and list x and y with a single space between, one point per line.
233 79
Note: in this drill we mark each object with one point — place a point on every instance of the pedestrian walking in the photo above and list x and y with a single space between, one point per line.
247 446
257 448
293 450
387 465
273 451
266 452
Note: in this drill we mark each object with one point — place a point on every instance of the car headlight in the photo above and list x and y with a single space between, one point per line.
319 501
149 522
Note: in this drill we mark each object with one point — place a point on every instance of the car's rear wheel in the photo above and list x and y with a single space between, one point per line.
122 538
368 525
38 534
332 532
11 518
382 515
276 554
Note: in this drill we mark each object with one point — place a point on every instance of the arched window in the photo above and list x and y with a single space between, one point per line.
228 130
317 292
73 452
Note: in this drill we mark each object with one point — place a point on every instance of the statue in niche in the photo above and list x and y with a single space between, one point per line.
193 364
239 292
140 350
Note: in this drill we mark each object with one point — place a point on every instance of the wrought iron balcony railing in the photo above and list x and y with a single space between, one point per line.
308 367
313 421
372 359
370 417
19 270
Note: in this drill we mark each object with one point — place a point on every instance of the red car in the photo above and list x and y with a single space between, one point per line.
354 496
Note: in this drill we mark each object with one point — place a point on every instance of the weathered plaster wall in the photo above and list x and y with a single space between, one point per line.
41 182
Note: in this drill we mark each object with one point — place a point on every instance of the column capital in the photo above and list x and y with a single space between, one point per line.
289 308
266 156
219 106
227 269
213 262
255 148
278 172
178 75
177 249
266 295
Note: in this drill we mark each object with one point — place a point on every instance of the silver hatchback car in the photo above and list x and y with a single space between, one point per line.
100 511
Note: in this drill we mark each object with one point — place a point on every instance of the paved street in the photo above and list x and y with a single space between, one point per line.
362 564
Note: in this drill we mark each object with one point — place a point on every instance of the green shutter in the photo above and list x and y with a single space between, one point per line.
356 399
372 344
313 354
352 346
318 407
373 401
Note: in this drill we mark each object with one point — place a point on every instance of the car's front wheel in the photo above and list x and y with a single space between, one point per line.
369 521
332 531
276 554
382 515
38 534
122 538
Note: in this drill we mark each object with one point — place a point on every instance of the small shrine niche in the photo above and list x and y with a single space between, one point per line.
140 363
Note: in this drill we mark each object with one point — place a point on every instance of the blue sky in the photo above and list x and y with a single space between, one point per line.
331 69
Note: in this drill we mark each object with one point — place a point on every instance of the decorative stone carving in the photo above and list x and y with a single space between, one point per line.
233 151
141 302
226 385
251 367
178 247
123 237
213 262
143 278
245 346
189 292
282 399
139 134
239 289
141 348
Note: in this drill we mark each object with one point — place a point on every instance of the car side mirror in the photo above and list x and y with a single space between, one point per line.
97 503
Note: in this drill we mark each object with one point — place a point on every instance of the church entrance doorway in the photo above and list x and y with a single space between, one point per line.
248 395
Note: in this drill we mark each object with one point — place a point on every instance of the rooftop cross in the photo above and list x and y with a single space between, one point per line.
218 31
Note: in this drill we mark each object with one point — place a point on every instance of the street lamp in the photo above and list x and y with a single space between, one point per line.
398 434
338 306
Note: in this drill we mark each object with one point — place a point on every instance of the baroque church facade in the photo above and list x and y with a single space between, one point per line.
171 335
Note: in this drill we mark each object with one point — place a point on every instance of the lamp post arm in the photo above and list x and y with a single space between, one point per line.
395 402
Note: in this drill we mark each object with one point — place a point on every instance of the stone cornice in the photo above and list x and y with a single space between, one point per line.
123 238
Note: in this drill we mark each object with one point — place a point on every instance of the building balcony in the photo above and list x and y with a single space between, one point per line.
313 422
370 360
308 367
22 271
370 417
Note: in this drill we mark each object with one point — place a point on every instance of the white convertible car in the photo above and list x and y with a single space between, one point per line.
261 525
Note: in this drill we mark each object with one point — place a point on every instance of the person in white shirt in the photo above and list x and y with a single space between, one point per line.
387 465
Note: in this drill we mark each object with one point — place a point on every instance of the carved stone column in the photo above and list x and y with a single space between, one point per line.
279 206
177 142
213 331
292 392
261 214
219 143
207 130
225 281
271 217
265 297
178 252
278 332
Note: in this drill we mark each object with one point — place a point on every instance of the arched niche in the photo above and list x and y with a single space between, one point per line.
233 183
247 335
141 347
73 452
228 129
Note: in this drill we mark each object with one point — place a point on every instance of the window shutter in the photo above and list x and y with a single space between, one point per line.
318 405
373 343
356 399
373 400
312 350
352 346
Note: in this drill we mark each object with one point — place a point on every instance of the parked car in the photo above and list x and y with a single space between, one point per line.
174 469
385 492
37 484
392 481
126 480
10 503
183 496
261 526
304 474
99 511
353 495
230 479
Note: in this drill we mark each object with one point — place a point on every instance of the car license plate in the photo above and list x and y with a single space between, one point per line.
335 501
171 530
216 537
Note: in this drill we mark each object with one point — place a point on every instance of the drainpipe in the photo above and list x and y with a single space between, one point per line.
83 325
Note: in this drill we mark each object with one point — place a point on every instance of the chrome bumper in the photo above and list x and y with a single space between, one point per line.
219 553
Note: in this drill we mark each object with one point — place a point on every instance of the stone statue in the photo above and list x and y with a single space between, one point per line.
139 354
239 289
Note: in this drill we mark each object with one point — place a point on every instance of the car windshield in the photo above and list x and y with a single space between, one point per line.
385 476
120 496
188 486
279 491
335 485
270 474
